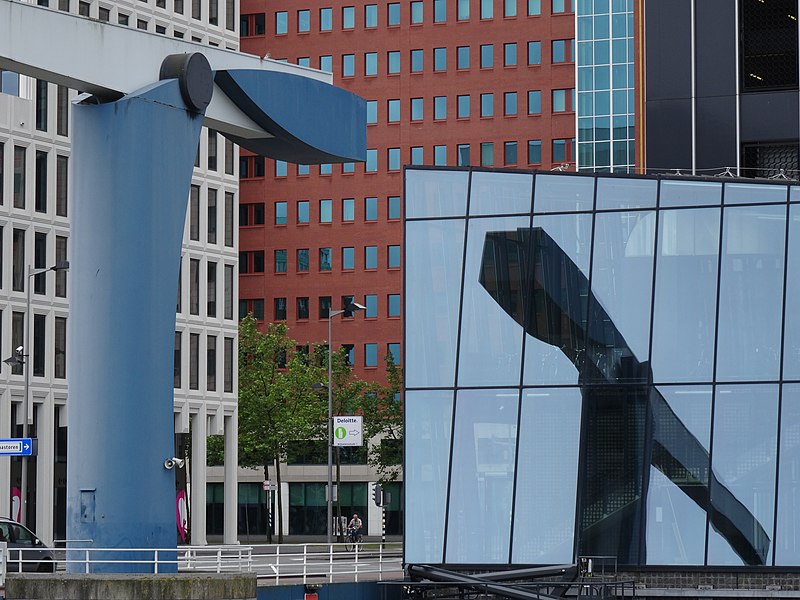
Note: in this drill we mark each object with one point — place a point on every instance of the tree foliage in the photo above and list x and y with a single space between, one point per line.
283 398
277 403
383 424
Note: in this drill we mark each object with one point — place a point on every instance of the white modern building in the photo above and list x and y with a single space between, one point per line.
35 233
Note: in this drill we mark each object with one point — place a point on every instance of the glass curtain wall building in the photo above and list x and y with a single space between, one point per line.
601 365
605 85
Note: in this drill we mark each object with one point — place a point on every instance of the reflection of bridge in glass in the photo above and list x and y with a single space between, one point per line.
627 424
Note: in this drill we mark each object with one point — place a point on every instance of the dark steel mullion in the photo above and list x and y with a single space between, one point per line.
527 281
780 378
403 374
650 379
714 372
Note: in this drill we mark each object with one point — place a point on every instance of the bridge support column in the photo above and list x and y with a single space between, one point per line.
199 478
131 169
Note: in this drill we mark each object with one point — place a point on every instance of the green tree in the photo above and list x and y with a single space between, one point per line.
277 403
383 424
283 398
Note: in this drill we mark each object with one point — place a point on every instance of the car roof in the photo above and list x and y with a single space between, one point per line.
14 523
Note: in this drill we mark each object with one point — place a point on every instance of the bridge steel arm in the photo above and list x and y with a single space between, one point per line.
110 61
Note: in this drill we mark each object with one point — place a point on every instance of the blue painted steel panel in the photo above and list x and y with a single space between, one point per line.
132 166
312 122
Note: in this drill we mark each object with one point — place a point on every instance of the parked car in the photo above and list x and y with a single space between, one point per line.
35 555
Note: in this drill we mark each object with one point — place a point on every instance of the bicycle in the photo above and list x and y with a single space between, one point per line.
353 542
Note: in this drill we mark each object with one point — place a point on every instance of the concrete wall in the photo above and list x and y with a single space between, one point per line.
132 587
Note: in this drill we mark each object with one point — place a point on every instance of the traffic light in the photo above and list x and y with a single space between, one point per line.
377 495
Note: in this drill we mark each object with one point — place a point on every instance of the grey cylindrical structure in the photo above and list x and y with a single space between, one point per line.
131 169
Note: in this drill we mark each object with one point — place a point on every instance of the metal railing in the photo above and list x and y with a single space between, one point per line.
318 563
272 563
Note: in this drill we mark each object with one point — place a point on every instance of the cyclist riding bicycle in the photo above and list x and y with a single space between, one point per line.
354 528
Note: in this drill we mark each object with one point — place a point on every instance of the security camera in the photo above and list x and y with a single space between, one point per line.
19 349
173 462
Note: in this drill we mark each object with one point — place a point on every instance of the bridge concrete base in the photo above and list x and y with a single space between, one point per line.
172 586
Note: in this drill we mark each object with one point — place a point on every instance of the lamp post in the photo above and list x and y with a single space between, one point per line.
352 307
22 357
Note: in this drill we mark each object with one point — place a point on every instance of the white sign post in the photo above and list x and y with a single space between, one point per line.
347 431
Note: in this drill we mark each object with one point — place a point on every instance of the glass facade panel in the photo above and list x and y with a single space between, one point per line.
685 295
500 193
619 303
616 193
429 415
436 194
787 542
690 193
491 336
744 193
481 489
611 476
744 452
791 343
558 193
661 451
549 432
434 250
751 284
678 479
555 337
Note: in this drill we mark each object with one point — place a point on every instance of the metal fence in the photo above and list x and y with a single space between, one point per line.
272 563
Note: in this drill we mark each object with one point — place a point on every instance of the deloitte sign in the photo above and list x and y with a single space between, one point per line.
347 431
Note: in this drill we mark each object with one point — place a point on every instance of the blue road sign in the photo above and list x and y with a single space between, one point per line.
16 447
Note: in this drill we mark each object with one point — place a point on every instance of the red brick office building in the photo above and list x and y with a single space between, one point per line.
448 82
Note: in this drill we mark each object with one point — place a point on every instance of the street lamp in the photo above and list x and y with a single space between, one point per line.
21 357
352 307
